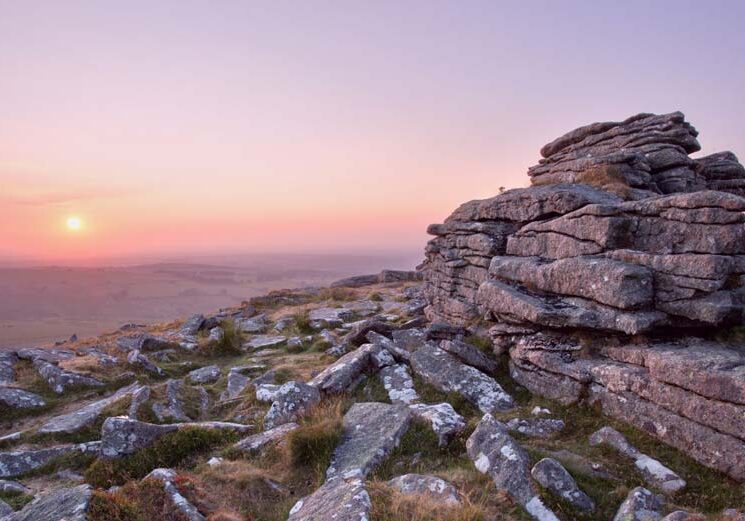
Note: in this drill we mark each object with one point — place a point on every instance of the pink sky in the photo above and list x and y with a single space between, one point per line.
210 127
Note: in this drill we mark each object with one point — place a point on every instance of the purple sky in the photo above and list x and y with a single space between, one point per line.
322 126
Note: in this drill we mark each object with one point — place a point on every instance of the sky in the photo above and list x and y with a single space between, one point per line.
182 127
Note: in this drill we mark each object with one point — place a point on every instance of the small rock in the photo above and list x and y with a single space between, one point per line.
20 462
264 342
470 355
60 380
216 334
13 487
653 471
255 324
256 442
167 477
337 499
399 384
445 421
536 427
554 477
343 374
539 411
435 489
205 375
291 401
640 505
137 358
20 399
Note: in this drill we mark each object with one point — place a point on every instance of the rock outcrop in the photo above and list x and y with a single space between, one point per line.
608 280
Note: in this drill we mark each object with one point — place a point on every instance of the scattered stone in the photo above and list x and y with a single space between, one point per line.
329 317
192 325
17 463
257 442
53 356
216 335
554 477
68 504
496 454
167 477
20 399
399 384
470 355
60 380
435 489
205 375
653 471
371 431
337 499
284 323
255 324
358 334
446 373
121 435
77 420
640 505
536 427
69 475
173 409
139 398
136 357
214 461
264 342
290 401
13 487
145 342
444 420
344 374
538 411
399 354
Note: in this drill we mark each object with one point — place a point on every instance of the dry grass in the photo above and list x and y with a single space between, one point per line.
391 505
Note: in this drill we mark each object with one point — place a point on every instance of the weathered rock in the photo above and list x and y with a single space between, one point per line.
445 421
145 342
470 355
358 334
60 380
65 504
20 399
264 342
445 372
337 499
290 401
167 477
7 373
205 375
536 427
173 409
13 487
136 357
554 477
216 335
192 325
139 398
257 442
371 431
496 454
256 324
53 356
435 489
81 418
329 317
121 435
343 374
653 471
394 348
640 505
399 384
17 463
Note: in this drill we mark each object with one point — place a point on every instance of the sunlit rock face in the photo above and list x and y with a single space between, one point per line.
624 247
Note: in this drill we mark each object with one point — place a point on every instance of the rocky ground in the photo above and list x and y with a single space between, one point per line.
341 403
568 351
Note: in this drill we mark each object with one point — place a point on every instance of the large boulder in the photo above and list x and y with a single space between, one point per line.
622 238
290 401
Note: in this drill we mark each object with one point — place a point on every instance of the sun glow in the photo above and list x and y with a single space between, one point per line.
74 223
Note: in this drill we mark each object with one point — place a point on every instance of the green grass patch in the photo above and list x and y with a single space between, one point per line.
173 449
16 500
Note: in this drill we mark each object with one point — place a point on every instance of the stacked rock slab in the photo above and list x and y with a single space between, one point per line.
625 243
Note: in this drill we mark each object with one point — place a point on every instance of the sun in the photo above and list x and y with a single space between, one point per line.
74 223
